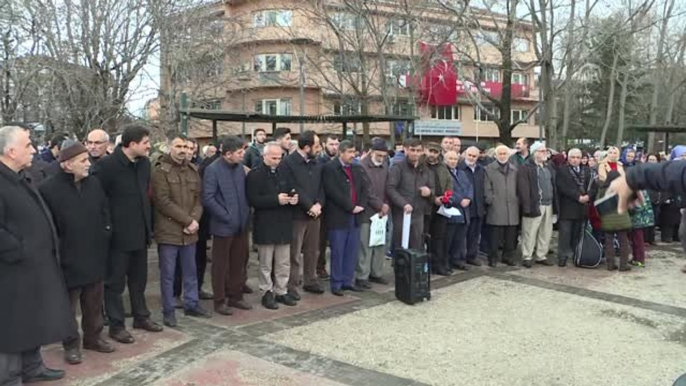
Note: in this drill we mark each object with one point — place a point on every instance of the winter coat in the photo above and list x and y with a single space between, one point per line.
176 198
569 193
127 187
253 156
35 306
404 181
517 160
337 186
528 192
273 223
82 219
477 208
377 177
307 177
441 179
462 189
223 195
500 195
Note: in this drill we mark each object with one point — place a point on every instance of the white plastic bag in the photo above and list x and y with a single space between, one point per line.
377 230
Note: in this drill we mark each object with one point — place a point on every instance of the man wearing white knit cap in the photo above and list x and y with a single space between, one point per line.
536 192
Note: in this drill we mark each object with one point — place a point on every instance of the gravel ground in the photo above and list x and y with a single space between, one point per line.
491 332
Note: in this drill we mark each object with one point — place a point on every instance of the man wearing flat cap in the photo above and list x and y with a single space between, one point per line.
371 259
81 215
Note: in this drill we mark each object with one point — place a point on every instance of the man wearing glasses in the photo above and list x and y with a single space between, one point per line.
96 143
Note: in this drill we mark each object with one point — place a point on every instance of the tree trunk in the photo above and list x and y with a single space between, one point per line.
622 108
610 101
659 69
503 123
569 88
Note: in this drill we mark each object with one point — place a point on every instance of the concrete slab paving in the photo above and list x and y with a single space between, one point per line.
97 367
491 332
661 281
238 369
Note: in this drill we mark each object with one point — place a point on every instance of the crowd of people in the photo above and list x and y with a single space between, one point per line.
78 219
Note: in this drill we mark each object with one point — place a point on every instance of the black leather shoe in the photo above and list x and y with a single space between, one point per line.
461 267
197 312
337 292
353 288
314 288
287 300
508 262
562 263
294 294
99 345
73 356
474 262
364 284
526 263
269 302
48 375
544 262
121 336
378 280
147 325
441 272
204 295
492 264
246 289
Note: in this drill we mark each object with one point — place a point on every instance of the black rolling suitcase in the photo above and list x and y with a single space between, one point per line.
412 275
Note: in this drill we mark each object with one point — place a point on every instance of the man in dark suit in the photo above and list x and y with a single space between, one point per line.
477 175
33 294
125 177
346 190
575 191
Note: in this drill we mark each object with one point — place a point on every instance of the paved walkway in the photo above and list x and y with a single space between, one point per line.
544 326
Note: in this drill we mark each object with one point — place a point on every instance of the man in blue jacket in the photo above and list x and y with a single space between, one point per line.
463 193
477 210
223 195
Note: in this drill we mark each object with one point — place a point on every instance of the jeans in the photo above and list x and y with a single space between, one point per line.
185 255
345 245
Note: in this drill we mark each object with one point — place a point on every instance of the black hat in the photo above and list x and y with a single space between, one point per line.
379 144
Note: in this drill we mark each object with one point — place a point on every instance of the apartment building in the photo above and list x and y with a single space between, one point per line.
342 58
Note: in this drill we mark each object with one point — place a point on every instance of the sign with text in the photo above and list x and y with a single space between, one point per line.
437 128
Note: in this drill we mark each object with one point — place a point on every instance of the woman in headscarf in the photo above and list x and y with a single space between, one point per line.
628 157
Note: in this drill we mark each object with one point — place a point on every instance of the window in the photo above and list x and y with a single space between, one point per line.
488 75
520 45
451 113
401 109
395 68
346 62
519 115
399 27
273 18
518 78
207 105
487 38
347 108
273 106
345 21
483 115
272 62
440 33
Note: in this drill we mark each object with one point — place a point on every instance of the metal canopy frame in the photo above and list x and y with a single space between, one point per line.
666 129
232 116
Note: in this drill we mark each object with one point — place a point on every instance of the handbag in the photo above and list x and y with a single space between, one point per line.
643 216
614 222
377 230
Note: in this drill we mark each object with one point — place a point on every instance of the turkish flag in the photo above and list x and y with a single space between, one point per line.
438 83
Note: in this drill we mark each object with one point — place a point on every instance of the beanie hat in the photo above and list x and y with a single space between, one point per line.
71 149
537 145
379 144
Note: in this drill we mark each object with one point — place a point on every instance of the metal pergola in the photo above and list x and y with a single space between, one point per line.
231 116
666 129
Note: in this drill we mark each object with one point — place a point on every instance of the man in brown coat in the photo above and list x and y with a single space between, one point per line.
176 197
410 189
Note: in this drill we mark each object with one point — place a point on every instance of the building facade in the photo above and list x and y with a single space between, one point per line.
371 58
